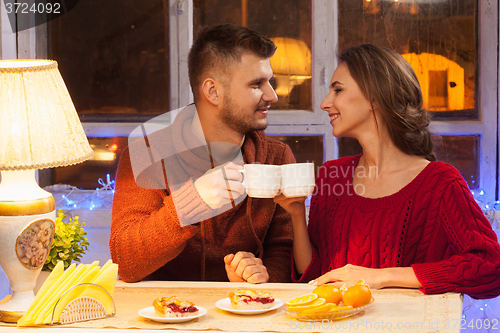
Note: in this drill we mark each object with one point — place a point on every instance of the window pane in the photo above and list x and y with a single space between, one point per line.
461 151
288 24
114 58
305 148
438 38
107 152
458 150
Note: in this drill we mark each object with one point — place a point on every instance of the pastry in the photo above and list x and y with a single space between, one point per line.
248 299
173 307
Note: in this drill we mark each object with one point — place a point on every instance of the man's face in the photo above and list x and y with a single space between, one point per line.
248 95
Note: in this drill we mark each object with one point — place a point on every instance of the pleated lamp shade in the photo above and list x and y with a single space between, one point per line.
292 57
39 126
291 64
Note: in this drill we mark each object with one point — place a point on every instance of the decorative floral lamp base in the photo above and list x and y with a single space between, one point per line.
26 233
24 245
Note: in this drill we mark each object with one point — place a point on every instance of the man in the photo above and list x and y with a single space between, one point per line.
180 211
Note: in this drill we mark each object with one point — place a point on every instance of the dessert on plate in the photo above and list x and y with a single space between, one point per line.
173 307
248 299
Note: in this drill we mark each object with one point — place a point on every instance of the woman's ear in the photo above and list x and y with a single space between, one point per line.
209 89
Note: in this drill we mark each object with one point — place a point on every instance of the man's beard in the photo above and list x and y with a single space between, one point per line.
237 120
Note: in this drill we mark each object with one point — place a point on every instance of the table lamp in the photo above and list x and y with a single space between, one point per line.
39 128
291 64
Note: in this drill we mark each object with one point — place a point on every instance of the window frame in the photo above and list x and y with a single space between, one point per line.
487 98
32 43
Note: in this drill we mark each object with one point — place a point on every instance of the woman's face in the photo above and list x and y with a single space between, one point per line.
349 110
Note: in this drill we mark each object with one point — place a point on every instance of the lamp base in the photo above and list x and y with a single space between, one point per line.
9 311
23 251
10 317
26 234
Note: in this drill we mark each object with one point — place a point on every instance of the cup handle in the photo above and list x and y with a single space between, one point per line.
244 178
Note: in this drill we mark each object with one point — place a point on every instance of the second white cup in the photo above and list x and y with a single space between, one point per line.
297 180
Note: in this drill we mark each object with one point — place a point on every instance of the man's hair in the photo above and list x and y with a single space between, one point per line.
218 47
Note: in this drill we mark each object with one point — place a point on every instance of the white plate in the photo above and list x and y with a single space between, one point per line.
225 304
150 313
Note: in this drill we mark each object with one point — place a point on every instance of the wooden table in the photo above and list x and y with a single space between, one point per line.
394 310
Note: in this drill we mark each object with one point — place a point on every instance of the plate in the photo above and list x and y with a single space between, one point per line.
328 315
225 304
150 313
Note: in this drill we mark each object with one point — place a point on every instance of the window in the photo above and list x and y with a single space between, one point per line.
115 60
438 39
126 65
288 23
107 152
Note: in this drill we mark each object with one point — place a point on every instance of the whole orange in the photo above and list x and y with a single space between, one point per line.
329 292
357 295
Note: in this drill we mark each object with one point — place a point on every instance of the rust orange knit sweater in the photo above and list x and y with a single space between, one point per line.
147 241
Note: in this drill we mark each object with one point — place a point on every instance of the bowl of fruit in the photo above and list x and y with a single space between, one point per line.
330 303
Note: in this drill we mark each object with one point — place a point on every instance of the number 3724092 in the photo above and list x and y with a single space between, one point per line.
40 8
473 323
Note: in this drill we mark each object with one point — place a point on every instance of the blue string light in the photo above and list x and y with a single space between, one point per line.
101 197
491 209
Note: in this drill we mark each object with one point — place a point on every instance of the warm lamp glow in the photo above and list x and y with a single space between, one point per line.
291 64
424 64
39 128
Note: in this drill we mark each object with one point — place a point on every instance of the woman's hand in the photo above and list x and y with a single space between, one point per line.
376 278
350 274
294 206
302 250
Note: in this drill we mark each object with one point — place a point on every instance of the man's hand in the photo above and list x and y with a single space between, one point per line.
217 186
244 267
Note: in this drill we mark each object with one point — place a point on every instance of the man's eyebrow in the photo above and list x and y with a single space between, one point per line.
257 80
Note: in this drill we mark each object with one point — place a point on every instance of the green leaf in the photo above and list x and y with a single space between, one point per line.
69 243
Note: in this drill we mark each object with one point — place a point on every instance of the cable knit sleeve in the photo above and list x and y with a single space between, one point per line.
474 265
145 229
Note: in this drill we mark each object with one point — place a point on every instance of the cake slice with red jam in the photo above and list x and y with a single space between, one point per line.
248 299
173 307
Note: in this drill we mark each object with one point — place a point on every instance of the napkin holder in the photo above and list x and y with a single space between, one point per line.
83 308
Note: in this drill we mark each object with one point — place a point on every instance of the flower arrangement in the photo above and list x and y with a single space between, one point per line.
69 242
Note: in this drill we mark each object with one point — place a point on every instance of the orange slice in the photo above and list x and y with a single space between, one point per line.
317 302
321 309
340 308
302 300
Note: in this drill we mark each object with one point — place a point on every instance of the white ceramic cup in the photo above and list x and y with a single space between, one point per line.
261 180
297 180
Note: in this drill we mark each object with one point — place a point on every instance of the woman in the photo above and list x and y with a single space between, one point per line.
392 216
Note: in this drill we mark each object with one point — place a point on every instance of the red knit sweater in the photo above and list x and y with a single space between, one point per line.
147 240
433 224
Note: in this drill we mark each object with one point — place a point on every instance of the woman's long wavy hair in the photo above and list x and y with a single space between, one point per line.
388 81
